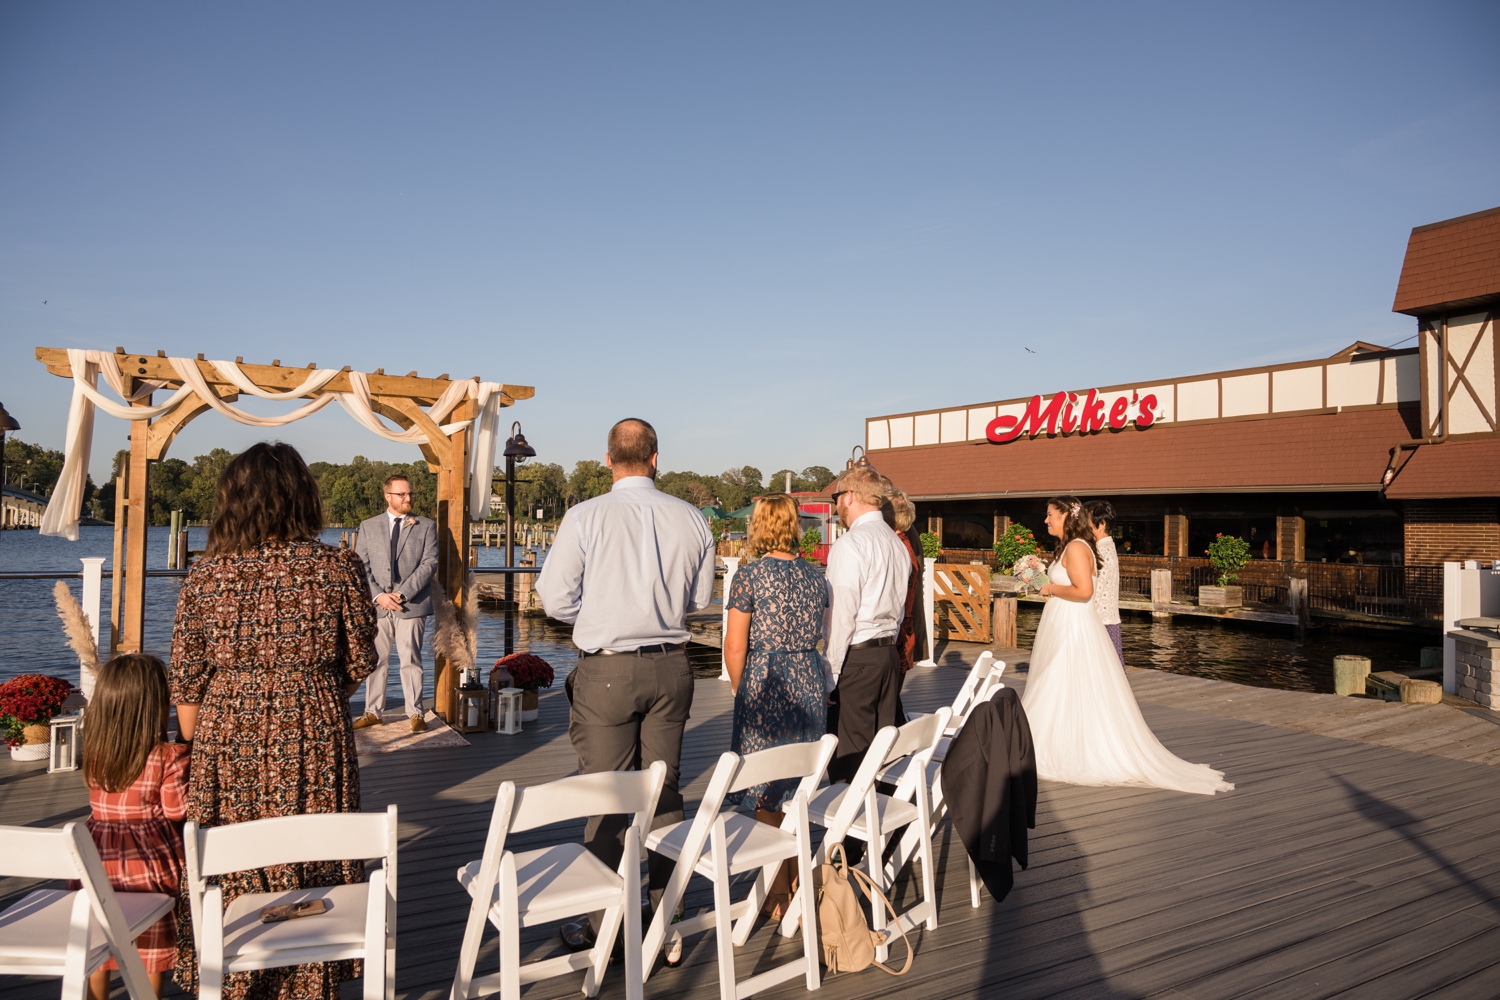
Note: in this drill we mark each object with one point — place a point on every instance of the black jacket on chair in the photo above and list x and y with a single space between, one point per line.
989 785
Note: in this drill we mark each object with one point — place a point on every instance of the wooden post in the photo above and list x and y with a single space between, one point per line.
1005 622
133 633
1161 592
453 546
1291 539
1002 525
1175 535
1296 595
117 565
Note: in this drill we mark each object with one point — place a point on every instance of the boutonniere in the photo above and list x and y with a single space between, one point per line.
409 521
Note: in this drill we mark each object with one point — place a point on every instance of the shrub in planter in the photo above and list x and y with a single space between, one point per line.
931 546
1228 555
1017 543
30 700
811 539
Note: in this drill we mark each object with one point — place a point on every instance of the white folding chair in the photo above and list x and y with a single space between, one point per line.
514 889
719 844
846 811
360 921
983 680
989 683
68 935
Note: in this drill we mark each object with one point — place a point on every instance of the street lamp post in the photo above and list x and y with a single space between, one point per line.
7 423
516 451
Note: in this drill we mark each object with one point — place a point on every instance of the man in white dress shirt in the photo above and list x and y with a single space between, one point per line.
867 574
625 569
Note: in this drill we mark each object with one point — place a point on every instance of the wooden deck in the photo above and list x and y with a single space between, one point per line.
1336 867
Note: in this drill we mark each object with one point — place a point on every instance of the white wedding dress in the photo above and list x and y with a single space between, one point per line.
1085 724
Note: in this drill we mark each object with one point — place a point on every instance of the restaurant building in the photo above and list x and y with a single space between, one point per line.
1372 456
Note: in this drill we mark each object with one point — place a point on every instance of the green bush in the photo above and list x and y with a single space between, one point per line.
1017 543
1228 554
930 545
811 539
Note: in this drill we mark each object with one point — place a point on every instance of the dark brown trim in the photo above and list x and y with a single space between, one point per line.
1455 221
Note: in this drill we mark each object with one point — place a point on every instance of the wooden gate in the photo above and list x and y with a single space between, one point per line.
961 598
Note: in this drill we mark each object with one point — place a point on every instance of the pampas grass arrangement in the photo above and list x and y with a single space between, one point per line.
456 637
76 627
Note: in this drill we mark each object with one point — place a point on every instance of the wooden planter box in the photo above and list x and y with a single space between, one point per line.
1221 597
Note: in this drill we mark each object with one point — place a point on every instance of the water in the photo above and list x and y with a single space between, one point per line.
1254 653
32 636
1244 652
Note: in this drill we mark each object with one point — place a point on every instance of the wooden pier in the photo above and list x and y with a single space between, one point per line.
1337 868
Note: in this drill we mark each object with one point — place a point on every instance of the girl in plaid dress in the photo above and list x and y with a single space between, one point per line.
138 796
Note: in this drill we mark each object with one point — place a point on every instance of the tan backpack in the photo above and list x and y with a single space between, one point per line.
848 943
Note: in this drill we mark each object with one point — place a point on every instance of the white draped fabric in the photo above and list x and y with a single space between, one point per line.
61 517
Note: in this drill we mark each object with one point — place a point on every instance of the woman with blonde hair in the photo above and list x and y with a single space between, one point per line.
775 605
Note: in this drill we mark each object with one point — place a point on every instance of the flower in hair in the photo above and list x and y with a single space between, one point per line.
1076 508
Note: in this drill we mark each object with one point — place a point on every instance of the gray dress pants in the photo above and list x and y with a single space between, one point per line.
626 712
406 635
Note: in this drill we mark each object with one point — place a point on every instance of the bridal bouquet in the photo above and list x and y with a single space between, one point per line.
1031 571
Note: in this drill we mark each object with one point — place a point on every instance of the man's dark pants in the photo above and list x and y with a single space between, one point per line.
866 699
629 711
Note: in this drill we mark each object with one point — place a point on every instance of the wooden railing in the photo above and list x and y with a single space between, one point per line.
1405 593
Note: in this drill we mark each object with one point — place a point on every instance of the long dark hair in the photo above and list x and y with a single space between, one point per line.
1075 525
126 719
265 493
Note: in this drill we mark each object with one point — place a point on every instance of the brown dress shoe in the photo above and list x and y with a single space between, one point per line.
418 724
367 720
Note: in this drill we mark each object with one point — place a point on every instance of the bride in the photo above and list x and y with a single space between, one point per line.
1085 724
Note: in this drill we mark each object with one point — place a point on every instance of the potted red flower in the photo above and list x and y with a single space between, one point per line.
529 673
27 705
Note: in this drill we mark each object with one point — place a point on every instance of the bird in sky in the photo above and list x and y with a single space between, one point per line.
1030 351
44 302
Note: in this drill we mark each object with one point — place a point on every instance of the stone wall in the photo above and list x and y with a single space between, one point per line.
1439 531
1476 666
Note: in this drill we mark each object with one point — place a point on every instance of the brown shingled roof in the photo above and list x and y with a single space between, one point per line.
1450 265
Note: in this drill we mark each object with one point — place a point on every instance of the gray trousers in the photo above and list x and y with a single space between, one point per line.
406 635
626 713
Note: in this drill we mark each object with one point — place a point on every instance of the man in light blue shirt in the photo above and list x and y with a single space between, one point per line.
625 569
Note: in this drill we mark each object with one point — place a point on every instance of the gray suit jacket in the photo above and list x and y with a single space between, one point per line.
416 562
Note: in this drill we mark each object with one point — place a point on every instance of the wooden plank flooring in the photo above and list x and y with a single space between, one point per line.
1337 867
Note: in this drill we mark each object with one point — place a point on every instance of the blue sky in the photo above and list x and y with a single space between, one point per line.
751 224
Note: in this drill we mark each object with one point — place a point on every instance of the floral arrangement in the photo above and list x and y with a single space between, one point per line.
29 700
1228 554
1031 571
527 672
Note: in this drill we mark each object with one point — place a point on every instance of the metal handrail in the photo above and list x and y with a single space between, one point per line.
79 573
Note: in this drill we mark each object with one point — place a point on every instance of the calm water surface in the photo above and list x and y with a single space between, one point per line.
32 637
1244 652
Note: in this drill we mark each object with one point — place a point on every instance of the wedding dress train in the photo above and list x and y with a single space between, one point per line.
1085 724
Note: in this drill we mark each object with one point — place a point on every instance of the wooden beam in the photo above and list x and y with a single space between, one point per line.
275 378
165 428
137 518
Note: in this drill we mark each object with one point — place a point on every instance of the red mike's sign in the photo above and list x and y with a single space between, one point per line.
1067 414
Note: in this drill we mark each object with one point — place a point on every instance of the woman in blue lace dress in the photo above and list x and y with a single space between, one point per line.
775 621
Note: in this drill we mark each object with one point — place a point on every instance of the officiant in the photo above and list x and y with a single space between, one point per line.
399 550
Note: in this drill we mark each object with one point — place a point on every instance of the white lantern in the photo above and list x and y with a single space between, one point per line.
508 713
64 755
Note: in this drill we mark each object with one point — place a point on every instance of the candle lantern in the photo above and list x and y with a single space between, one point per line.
508 711
64 750
471 710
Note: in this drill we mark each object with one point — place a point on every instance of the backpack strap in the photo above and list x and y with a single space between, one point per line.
874 895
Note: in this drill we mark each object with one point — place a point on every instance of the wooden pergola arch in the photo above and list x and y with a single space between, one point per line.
400 398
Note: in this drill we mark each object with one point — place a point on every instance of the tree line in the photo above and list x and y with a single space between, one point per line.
352 491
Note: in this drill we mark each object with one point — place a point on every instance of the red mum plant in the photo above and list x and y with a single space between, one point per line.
527 672
29 700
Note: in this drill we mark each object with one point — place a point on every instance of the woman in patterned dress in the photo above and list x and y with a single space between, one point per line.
274 631
776 608
137 785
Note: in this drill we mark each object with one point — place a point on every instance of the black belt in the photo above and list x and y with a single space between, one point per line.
885 640
660 647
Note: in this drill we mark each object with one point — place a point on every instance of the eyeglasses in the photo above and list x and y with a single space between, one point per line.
837 494
398 495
